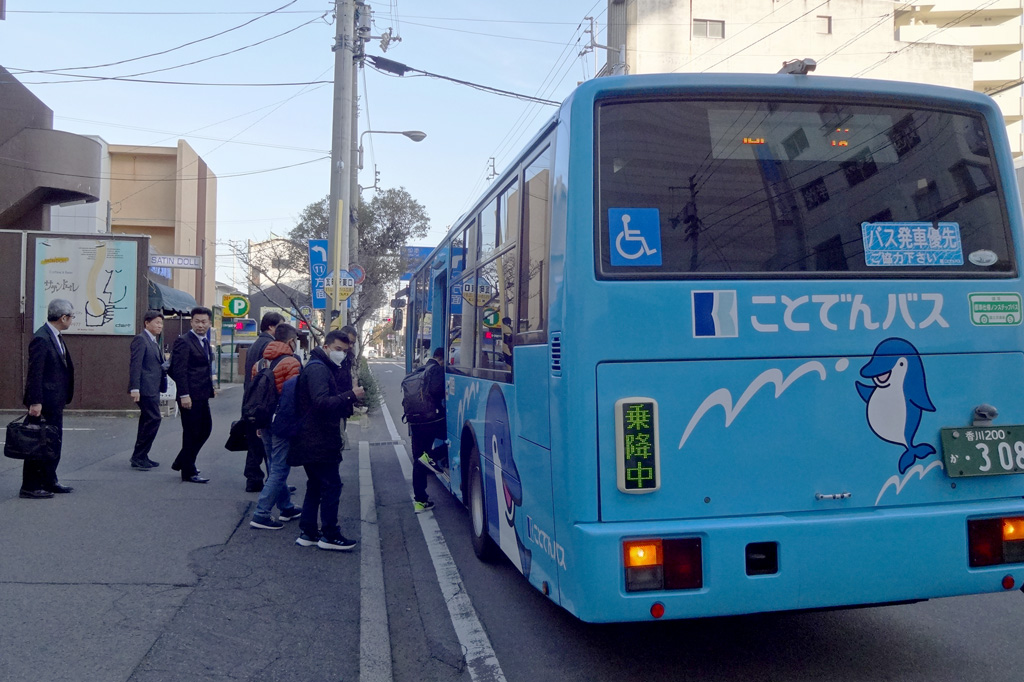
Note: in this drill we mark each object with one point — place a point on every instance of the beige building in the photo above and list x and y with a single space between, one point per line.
170 194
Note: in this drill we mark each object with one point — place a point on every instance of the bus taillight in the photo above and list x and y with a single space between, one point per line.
995 541
656 564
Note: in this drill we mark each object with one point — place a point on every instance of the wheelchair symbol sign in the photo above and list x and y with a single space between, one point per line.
635 236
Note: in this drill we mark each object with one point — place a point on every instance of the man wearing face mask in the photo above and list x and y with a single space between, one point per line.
316 447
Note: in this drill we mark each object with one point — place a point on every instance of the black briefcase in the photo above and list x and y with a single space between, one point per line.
237 440
32 438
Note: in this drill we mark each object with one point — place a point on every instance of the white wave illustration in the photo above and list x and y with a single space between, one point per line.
895 479
724 398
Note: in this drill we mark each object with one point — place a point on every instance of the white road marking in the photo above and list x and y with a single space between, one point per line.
481 660
374 636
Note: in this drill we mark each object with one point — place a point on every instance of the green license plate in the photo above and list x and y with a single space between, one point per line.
983 450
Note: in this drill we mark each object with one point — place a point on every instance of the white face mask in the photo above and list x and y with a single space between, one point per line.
338 357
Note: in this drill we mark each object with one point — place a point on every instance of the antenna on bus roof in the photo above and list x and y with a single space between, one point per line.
799 67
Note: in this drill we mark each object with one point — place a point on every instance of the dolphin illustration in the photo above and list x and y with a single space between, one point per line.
896 397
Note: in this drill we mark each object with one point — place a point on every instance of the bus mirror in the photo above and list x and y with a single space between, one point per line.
397 320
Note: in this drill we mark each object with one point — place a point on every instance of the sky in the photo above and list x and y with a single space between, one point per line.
269 145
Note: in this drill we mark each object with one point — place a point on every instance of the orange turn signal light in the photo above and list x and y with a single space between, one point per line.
1013 529
639 553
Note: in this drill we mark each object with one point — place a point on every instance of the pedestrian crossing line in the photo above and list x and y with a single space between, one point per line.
481 660
374 636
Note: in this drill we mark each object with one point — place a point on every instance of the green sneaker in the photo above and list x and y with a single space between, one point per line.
430 464
421 507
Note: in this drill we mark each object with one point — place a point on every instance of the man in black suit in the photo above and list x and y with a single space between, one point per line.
48 388
191 369
146 381
257 454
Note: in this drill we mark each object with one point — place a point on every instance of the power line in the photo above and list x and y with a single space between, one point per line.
179 66
155 54
153 181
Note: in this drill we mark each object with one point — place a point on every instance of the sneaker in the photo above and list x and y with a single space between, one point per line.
266 523
289 514
421 507
430 464
305 541
339 543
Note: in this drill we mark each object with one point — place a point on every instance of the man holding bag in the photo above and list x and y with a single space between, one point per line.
49 386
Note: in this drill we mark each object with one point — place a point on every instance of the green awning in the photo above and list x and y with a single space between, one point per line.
170 300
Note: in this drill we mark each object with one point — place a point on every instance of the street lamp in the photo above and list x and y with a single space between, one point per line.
414 135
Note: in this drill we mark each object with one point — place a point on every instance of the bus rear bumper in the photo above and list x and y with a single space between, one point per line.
822 560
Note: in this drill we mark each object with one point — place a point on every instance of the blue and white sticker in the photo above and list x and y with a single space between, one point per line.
893 244
635 236
715 314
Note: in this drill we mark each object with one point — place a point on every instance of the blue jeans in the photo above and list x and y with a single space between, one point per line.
275 490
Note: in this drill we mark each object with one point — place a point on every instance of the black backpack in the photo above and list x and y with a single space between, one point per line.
260 400
419 407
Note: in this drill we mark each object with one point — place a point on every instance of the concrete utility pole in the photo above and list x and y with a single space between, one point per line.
341 149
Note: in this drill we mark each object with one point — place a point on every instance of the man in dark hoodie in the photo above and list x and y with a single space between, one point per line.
280 356
317 445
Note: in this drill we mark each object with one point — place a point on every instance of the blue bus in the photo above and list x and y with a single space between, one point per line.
721 344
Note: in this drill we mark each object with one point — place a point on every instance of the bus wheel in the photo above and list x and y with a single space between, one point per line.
483 545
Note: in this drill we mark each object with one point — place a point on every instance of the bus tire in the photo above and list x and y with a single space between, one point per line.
483 545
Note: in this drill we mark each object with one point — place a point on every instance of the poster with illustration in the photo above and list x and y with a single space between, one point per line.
97 276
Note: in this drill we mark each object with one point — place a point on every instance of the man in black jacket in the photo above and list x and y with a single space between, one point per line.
49 386
425 434
192 371
317 445
147 379
257 454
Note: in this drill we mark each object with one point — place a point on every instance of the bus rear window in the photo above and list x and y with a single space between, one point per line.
777 188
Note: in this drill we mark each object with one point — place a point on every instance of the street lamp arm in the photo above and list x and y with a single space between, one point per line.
414 135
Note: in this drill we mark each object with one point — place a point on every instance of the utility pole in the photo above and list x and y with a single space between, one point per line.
341 149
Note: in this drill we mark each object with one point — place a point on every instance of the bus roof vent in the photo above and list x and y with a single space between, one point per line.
556 353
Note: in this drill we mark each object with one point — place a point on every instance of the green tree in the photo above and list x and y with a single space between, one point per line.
385 224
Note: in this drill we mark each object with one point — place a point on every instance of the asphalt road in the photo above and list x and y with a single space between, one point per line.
136 576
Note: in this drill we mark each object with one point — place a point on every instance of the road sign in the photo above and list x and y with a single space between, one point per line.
414 255
317 272
235 306
491 319
357 272
346 285
306 311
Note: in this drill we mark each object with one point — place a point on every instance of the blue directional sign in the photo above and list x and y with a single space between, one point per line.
414 255
317 272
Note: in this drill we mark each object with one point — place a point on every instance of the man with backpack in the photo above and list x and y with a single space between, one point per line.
256 455
423 400
317 444
278 371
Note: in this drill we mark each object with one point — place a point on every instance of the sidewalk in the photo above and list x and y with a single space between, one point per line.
137 576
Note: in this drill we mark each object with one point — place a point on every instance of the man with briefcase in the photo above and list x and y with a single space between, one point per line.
49 386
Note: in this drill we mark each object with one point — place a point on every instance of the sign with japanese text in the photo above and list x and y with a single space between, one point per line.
99 277
912 243
317 272
636 445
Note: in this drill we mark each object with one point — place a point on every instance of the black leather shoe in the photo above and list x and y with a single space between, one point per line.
195 479
254 487
61 489
35 494
140 466
152 464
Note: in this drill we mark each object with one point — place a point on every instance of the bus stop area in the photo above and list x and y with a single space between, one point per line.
136 576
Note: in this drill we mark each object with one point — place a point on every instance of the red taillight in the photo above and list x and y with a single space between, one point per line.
995 541
656 564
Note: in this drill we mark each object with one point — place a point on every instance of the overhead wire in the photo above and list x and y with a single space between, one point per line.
85 77
163 52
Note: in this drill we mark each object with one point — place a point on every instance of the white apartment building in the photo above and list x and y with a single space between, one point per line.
993 30
971 44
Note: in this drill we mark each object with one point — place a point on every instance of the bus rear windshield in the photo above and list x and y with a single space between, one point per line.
779 188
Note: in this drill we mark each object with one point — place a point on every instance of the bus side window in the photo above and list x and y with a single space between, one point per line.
533 248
